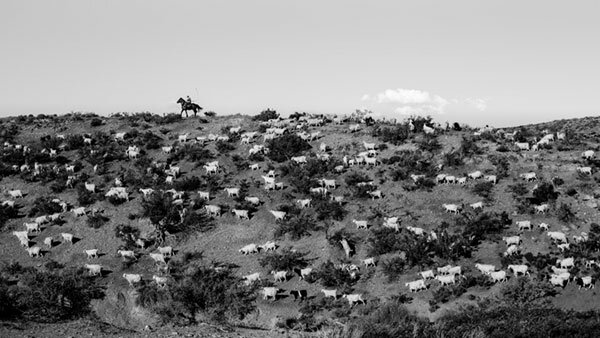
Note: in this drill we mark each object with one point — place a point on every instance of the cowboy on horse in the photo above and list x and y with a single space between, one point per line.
188 105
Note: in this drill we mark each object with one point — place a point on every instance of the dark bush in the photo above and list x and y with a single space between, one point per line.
484 189
96 122
393 268
502 164
428 143
564 213
285 147
44 206
116 200
127 234
544 193
97 221
468 148
395 135
6 213
487 225
266 115
329 276
192 183
328 210
224 147
159 208
384 240
286 259
297 226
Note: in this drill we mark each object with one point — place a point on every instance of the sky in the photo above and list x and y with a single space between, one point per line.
479 62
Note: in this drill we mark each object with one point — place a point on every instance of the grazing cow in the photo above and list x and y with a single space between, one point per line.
166 251
160 281
371 161
132 278
416 286
268 246
299 294
558 271
158 257
254 166
427 274
354 127
346 247
79 211
146 192
232 192
416 178
540 209
15 193
248 249
213 210
522 145
588 154
33 227
305 203
428 130
240 214
354 298
94 269
528 176
440 178
566 262
491 178
478 205
329 184
67 238
141 243
415 230
126 253
303 273
512 240
518 269
369 146
498 276
91 253
563 247
524 225
270 292
167 150
369 262
183 137
455 270
34 251
453 208
446 280
279 276
462 180
587 282
375 194
584 170
557 236
48 242
90 187
211 169
558 281
252 200
299 159
360 224
485 269
475 175
444 269
251 278
511 250
279 215
544 226
205 195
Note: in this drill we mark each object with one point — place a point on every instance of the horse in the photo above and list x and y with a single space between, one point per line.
185 106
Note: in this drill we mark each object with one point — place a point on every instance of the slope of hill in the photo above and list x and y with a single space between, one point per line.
463 239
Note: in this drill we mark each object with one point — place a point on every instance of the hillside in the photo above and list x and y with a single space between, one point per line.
460 239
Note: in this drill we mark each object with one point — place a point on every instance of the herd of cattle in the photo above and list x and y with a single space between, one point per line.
444 275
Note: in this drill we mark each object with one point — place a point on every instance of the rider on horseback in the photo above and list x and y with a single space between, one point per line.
188 99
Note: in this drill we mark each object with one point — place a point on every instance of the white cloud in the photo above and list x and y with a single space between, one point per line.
418 102
479 104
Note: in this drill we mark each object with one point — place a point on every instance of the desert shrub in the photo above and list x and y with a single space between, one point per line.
487 225
187 183
484 189
544 193
168 119
523 290
97 221
128 234
384 240
503 148
96 122
328 210
285 259
297 226
158 207
74 142
304 177
428 143
6 213
48 296
518 190
450 246
330 276
469 147
388 320
393 267
266 115
116 200
43 205
564 213
395 135
452 159
198 290
224 147
447 293
149 140
353 178
240 162
285 147
85 197
557 181
192 152
502 164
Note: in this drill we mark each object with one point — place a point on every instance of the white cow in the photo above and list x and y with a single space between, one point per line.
354 298
518 269
67 238
252 200
33 227
232 192
166 251
427 274
79 211
485 269
94 269
157 257
160 281
453 208
522 145
279 215
540 209
279 276
512 240
369 262
213 210
268 246
531 176
524 225
475 175
445 280
588 154
491 178
132 278
299 159
360 224
251 278
34 251
205 195
587 282
498 276
305 203
557 236
585 170
240 214
126 253
475 206
270 292
566 262
248 249
91 253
